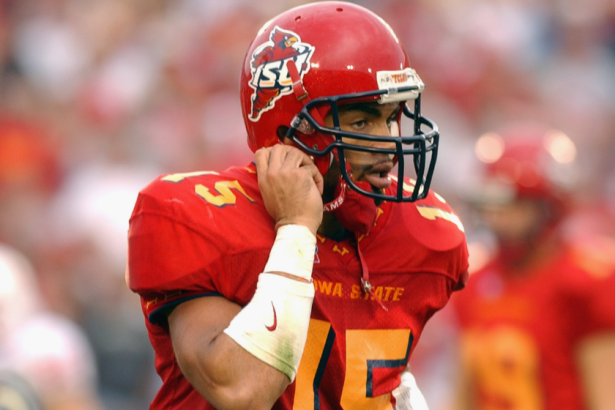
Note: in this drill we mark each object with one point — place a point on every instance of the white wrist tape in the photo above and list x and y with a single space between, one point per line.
273 326
293 251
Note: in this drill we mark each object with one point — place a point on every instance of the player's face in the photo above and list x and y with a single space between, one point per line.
373 119
514 222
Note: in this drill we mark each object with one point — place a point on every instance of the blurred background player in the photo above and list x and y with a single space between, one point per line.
532 335
45 359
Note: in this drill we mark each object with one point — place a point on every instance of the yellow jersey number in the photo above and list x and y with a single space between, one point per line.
223 188
366 350
504 362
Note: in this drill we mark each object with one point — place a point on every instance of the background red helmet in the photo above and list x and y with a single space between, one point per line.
307 61
528 161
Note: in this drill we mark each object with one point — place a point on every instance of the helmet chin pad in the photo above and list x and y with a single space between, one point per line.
358 212
323 163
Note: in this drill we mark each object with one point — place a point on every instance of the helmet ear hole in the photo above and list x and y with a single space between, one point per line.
281 132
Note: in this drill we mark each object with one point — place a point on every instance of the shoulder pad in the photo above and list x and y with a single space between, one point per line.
427 235
185 224
437 225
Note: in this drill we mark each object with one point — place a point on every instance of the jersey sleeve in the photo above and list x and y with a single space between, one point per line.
168 262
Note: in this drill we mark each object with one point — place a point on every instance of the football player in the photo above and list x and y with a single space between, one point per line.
303 280
46 361
538 332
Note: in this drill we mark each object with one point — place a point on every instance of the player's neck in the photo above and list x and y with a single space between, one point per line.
330 226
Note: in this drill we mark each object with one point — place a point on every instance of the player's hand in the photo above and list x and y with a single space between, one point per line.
291 186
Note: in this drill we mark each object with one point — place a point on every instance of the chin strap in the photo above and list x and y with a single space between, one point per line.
299 90
339 200
304 98
342 187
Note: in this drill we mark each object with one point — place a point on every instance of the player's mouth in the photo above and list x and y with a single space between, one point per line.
378 175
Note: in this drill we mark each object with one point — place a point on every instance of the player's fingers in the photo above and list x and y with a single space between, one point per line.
287 158
316 176
308 164
295 158
261 157
305 159
278 156
270 157
261 160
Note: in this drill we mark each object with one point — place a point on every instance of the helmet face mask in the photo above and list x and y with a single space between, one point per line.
308 62
421 147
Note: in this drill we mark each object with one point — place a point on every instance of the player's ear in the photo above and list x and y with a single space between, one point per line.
281 131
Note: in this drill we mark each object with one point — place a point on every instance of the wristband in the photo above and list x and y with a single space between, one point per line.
293 251
273 327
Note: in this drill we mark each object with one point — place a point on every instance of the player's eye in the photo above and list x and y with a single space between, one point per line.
359 124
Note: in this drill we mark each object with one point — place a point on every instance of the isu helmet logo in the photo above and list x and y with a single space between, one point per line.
270 77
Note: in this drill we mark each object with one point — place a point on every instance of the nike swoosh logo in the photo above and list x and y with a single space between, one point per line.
275 320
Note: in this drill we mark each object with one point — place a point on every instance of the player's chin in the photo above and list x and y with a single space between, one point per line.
375 189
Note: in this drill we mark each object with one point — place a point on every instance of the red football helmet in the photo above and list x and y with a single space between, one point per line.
306 62
528 161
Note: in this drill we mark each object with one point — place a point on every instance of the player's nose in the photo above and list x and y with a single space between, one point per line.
383 130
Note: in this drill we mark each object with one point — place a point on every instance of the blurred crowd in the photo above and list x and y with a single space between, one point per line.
98 97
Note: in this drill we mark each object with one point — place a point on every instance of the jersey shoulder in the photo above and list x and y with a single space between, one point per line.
586 277
185 226
179 195
210 203
432 221
427 234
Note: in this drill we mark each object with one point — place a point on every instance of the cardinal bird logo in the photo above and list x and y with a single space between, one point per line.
270 77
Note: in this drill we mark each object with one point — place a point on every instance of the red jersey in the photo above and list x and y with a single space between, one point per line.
208 233
520 334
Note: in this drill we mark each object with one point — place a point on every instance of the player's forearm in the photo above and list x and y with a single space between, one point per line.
249 363
231 378
233 355
273 326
